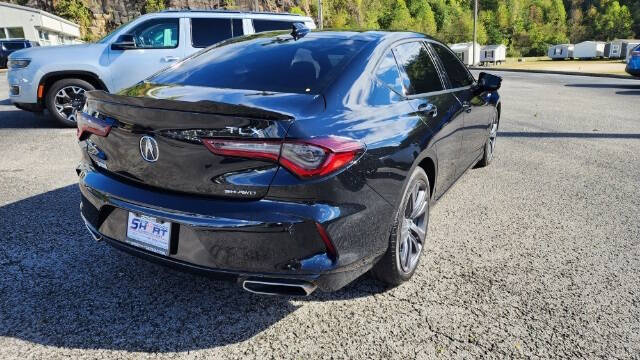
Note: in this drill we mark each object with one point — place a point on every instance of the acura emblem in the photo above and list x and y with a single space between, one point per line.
149 148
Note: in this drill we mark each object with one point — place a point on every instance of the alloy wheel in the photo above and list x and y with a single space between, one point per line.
413 228
68 99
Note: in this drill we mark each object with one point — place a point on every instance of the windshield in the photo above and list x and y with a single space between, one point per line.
110 35
267 63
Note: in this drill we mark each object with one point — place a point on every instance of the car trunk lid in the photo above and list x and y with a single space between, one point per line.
157 136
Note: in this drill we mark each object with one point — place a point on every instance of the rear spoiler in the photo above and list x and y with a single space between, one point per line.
200 106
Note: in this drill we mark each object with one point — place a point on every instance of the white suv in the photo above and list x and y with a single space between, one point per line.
56 77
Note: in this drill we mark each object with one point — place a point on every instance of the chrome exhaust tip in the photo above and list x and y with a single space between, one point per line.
278 287
94 234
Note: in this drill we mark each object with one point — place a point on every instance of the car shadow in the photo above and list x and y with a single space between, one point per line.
606 86
630 92
20 119
61 288
576 135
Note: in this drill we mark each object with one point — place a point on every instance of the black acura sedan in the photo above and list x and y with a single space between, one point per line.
286 162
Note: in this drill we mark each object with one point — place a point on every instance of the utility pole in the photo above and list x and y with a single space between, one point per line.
320 14
475 31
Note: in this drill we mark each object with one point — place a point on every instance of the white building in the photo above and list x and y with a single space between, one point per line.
493 54
21 22
589 50
561 51
464 51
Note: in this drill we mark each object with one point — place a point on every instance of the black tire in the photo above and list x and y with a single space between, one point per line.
390 268
490 145
75 99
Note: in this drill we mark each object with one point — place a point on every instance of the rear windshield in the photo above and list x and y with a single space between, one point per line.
266 63
14 45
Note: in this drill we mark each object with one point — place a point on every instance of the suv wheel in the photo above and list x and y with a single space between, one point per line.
409 232
64 97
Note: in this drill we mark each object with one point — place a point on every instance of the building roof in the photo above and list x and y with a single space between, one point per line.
492 47
40 12
624 40
591 41
462 46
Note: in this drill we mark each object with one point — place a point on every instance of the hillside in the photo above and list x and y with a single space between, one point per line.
527 27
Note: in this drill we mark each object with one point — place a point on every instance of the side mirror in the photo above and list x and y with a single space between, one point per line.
488 82
299 30
124 42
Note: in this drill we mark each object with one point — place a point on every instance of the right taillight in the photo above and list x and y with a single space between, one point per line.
306 158
90 124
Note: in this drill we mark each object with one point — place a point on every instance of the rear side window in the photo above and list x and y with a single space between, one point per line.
458 73
266 63
270 25
208 31
389 74
421 72
14 45
157 33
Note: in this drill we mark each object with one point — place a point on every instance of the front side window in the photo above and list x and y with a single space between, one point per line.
458 73
2 34
158 33
208 31
270 25
265 63
389 74
422 75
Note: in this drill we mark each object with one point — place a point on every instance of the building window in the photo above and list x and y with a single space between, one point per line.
44 37
15 33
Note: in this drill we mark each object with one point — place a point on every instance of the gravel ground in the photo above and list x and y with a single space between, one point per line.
537 255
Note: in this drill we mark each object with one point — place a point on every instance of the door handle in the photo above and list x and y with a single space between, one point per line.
170 58
466 106
428 109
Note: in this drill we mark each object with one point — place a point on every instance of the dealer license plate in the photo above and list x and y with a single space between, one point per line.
148 233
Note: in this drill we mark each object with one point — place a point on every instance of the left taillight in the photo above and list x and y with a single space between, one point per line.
92 124
306 158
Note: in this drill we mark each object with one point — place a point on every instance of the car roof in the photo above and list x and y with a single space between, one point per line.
231 13
367 35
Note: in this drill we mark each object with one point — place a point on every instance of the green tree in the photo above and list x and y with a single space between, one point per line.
74 10
398 18
151 6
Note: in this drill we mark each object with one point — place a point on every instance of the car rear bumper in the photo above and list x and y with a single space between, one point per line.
633 71
264 239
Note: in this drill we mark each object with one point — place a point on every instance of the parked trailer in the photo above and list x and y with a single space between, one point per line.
619 48
589 50
464 51
561 51
627 48
496 54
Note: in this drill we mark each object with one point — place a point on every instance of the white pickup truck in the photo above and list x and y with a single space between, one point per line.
55 78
